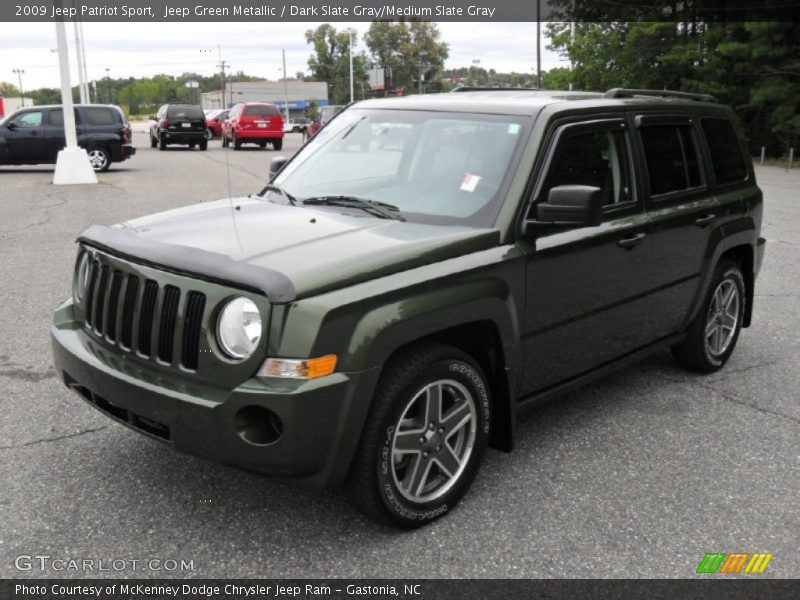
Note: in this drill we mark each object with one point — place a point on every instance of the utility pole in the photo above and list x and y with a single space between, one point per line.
350 33
538 45
81 74
222 65
72 164
285 87
108 82
571 45
19 73
82 58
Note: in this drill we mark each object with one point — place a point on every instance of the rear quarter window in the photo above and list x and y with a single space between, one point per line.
727 159
261 111
101 116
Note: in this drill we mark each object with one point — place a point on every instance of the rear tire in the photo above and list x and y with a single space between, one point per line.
277 144
204 145
162 142
99 158
424 438
713 334
237 143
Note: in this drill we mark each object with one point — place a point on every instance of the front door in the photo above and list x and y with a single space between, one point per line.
587 288
24 136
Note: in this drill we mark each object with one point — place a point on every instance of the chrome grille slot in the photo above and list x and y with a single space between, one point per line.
193 322
95 270
146 314
100 300
169 312
128 310
113 305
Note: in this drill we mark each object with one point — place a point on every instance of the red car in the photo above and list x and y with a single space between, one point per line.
253 123
214 121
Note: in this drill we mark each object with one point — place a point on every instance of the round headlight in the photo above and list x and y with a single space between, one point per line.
239 328
82 276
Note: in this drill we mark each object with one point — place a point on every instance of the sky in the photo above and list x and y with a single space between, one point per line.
146 49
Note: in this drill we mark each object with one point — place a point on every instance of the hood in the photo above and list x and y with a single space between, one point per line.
316 249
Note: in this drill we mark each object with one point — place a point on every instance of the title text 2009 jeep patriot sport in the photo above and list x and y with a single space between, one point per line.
416 274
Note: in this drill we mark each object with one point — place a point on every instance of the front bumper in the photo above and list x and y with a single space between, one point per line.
321 419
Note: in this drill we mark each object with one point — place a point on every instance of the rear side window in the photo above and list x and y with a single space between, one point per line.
98 115
185 112
57 118
671 155
263 110
726 152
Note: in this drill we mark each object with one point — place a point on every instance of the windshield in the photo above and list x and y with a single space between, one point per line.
435 167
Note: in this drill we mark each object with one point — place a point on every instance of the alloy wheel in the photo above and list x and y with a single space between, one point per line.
722 319
433 440
98 159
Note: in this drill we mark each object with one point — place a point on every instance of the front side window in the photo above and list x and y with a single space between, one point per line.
594 158
435 167
29 120
671 155
727 160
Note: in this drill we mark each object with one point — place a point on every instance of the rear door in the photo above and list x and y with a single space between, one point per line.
681 207
24 134
587 300
54 137
265 117
186 119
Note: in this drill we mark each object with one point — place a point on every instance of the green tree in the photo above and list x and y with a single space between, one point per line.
8 89
413 50
330 62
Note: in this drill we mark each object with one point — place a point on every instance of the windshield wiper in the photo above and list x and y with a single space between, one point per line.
376 208
274 188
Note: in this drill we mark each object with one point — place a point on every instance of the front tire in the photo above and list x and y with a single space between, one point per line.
715 330
424 438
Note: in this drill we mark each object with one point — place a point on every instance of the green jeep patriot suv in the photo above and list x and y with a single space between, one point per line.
419 272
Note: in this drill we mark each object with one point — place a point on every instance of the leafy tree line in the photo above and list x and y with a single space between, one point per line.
754 67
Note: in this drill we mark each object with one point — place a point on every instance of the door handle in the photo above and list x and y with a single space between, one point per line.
705 220
632 241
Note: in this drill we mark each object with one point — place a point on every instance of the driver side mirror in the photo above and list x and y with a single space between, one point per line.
12 126
570 206
276 164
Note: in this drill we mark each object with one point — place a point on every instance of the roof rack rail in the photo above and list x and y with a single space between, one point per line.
470 88
629 93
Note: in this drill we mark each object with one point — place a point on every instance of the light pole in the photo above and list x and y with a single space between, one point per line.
108 81
19 73
285 87
475 63
350 33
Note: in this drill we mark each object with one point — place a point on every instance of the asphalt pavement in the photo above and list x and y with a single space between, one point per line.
638 475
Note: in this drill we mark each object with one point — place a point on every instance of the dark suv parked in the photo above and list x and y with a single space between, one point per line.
179 124
390 307
35 135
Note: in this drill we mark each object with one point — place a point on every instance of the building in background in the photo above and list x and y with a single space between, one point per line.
9 105
300 94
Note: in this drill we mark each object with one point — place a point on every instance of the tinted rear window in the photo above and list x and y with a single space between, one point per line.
671 154
726 152
57 117
185 112
263 110
97 115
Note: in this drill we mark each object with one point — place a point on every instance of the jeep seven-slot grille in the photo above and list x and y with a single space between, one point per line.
138 313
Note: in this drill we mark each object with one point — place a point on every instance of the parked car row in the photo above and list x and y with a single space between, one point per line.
35 135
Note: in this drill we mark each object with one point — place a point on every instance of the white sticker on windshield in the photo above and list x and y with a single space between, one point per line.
513 129
470 182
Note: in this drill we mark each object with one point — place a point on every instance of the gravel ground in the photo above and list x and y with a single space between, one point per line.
638 475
